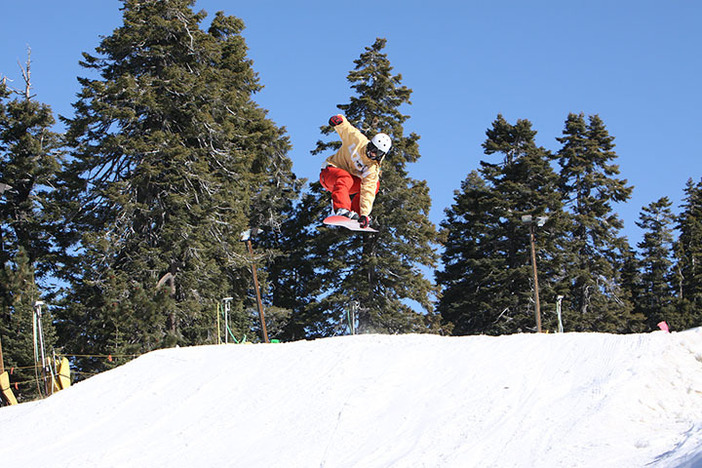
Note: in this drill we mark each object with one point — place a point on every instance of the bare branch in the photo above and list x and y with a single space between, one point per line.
27 75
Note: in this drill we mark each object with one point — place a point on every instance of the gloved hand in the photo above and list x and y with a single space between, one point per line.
336 120
364 221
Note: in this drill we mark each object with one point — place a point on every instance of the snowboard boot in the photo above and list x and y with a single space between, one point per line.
347 214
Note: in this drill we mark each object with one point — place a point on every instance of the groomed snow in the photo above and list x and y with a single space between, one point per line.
558 400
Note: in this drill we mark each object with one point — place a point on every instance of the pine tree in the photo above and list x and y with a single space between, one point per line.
30 153
466 270
487 278
380 273
589 185
688 255
172 160
656 263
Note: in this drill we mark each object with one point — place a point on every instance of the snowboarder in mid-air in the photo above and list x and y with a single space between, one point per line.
352 174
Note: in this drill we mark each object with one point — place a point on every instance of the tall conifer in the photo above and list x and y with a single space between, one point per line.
594 301
378 275
688 258
172 160
656 249
30 154
488 285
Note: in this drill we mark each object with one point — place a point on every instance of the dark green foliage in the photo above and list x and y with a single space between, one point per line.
172 160
632 290
20 293
688 255
30 154
29 160
656 275
581 258
333 269
487 278
594 300
466 267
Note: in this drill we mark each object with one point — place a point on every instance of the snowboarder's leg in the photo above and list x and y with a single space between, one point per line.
355 195
339 183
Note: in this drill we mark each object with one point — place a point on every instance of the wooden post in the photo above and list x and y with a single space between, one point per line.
258 293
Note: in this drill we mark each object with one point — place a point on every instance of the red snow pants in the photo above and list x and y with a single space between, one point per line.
343 186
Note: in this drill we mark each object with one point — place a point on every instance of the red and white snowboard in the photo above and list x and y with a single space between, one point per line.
343 221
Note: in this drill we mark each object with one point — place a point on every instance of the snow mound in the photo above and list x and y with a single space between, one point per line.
586 400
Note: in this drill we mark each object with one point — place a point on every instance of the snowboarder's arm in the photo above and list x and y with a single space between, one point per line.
346 131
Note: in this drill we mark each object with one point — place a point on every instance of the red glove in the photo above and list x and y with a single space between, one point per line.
364 221
336 120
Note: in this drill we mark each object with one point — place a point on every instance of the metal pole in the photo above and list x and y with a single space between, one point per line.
219 333
258 293
226 308
226 323
36 347
353 311
537 309
40 332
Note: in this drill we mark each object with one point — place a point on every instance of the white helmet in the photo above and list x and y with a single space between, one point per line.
378 147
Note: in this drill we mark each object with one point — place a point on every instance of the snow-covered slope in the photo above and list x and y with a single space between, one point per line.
570 400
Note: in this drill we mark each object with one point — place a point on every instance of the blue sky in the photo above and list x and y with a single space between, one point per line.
635 63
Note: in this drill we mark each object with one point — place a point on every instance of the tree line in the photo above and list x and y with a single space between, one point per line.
587 270
128 223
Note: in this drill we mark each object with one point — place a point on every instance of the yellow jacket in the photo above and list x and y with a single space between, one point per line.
352 158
